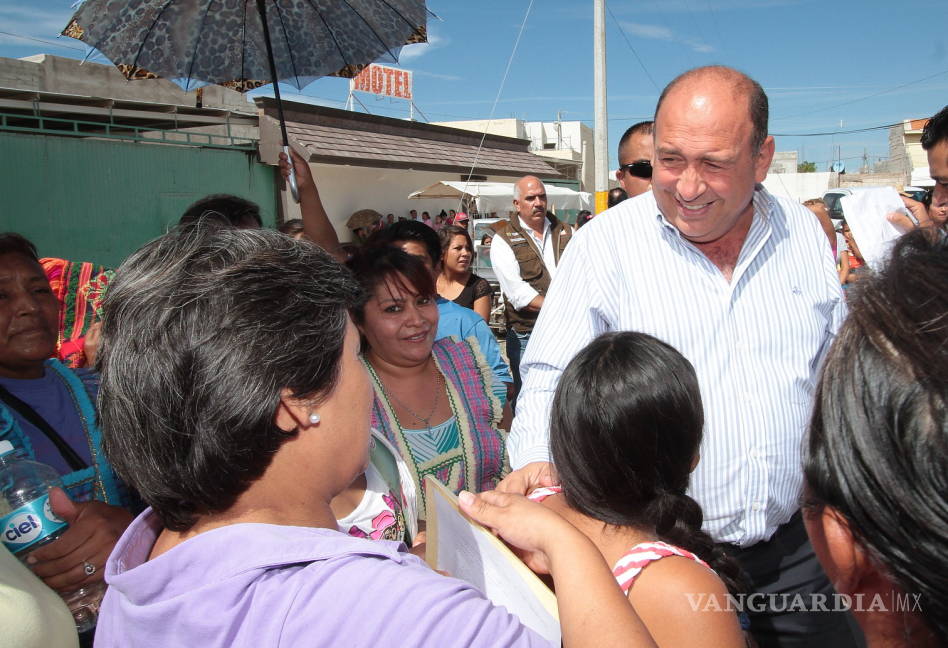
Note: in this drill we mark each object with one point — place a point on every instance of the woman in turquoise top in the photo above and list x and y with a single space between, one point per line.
436 401
47 411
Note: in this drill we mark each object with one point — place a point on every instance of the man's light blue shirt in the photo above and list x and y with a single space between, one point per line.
756 343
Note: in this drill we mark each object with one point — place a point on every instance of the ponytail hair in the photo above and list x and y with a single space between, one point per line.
625 429
677 520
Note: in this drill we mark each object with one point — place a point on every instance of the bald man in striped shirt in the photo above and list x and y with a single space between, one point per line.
745 286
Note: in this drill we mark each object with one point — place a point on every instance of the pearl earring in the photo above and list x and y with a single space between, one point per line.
313 419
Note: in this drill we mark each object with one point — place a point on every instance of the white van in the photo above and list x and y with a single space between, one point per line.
833 204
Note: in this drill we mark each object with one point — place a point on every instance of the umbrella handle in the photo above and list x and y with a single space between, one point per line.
291 180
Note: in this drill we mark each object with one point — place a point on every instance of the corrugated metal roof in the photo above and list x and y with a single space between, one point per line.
343 137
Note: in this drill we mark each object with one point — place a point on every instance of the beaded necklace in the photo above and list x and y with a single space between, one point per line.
412 460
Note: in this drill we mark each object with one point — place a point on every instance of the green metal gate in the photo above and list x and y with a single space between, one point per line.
99 200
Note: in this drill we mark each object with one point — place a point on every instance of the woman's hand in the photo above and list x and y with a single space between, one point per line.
94 528
316 225
526 525
593 610
304 176
91 344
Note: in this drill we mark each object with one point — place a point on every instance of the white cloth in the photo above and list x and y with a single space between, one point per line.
519 292
365 516
31 614
756 344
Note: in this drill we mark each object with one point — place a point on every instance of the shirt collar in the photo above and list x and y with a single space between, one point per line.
529 230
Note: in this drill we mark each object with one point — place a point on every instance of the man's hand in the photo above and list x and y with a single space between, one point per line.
530 477
905 224
94 528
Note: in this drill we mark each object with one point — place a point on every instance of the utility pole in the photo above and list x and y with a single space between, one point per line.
602 121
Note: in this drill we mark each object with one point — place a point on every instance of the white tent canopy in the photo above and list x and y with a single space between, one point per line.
498 196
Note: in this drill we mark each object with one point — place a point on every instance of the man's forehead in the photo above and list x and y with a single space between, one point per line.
637 147
532 187
938 161
718 103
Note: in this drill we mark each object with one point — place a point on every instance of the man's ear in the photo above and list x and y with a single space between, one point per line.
292 413
764 158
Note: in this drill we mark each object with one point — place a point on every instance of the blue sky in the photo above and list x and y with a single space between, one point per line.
862 63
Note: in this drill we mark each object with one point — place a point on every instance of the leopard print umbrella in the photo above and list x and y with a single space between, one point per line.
201 42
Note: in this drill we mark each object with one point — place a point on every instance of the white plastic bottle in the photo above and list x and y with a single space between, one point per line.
28 522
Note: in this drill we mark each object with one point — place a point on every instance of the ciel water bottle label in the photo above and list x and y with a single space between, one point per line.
29 524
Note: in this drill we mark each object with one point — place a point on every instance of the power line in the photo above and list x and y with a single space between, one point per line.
839 132
876 94
717 26
627 42
500 91
40 40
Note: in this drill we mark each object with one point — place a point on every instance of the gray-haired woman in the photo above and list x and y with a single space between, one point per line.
234 400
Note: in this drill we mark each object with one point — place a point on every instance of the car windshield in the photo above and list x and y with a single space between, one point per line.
832 205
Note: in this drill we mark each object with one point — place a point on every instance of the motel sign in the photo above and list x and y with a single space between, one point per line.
383 81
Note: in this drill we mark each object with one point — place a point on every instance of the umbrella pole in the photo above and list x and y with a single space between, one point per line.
291 180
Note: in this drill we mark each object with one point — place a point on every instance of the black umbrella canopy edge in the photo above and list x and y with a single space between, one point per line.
241 82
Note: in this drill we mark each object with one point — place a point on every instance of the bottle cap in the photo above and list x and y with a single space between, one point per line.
6 448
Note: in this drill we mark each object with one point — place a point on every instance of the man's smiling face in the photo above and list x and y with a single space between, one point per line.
705 165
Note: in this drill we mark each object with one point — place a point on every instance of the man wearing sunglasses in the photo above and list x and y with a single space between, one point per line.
635 159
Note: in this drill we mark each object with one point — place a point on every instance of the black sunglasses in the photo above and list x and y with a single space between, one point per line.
640 169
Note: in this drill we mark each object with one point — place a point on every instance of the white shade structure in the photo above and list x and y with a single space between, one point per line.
922 177
498 196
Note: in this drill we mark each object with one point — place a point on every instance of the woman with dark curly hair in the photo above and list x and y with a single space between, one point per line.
437 401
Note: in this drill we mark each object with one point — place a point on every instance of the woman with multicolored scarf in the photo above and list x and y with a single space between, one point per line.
438 402
47 412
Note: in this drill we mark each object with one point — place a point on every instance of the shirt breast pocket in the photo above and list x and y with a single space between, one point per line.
530 267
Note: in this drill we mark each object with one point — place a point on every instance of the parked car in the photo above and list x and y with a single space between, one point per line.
833 206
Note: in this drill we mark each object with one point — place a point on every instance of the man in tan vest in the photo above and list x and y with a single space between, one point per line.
524 255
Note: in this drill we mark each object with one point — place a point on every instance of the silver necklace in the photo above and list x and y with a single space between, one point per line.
426 420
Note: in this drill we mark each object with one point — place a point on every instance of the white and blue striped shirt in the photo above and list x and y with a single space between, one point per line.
756 343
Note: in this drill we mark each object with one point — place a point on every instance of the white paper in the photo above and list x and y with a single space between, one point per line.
865 212
472 554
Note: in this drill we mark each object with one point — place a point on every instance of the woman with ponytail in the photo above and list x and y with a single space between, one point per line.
624 432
